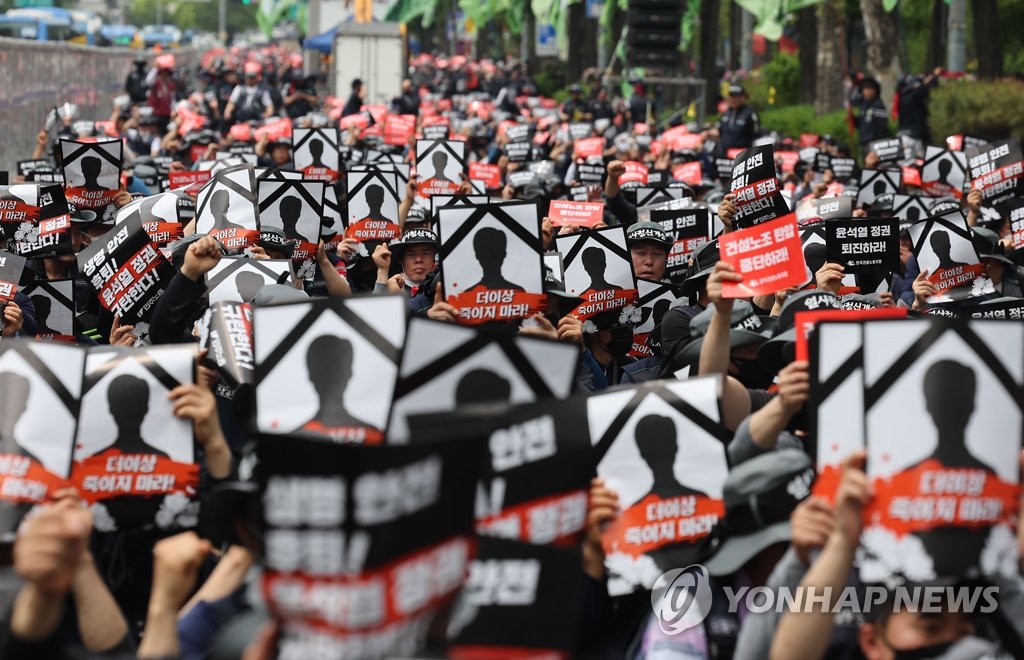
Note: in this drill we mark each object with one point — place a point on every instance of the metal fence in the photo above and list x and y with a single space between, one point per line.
36 76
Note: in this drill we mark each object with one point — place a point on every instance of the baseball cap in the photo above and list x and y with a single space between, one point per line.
81 216
648 231
704 260
759 496
415 236
746 328
273 238
277 294
735 89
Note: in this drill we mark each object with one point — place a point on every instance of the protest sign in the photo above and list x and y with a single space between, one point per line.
491 260
386 529
876 184
943 461
327 367
689 228
372 205
553 261
399 129
239 279
34 219
54 303
315 153
447 366
591 172
910 209
334 221
647 196
842 168
943 247
655 299
188 178
225 332
161 216
893 150
1005 308
520 600
489 174
440 165
135 462
92 174
944 173
663 451
997 170
769 257
823 208
296 209
227 208
12 269
41 384
575 214
599 269
127 270
863 244
755 188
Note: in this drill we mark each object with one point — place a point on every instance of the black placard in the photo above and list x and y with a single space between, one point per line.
997 170
755 188
862 244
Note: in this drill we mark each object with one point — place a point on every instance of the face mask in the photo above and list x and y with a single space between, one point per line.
750 373
924 652
621 341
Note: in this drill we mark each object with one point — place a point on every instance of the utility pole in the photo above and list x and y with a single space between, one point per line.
222 21
956 51
747 44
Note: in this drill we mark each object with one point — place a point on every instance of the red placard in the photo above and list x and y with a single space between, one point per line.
789 160
359 121
911 176
564 212
769 256
398 129
804 322
688 173
732 153
635 173
489 174
589 147
809 139
183 179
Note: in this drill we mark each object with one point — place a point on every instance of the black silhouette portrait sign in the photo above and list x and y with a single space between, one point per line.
876 183
655 299
689 228
41 385
997 170
239 279
372 205
296 208
447 366
127 270
823 208
863 244
755 187
161 216
944 172
440 165
54 302
225 331
943 419
12 267
910 209
386 529
649 196
599 269
335 221
943 247
520 600
92 174
438 201
227 208
135 461
327 368
662 450
34 219
315 153
491 260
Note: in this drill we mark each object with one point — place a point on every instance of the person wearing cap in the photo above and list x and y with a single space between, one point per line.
649 245
871 117
249 100
641 108
274 152
740 125
161 94
298 94
135 83
575 108
417 255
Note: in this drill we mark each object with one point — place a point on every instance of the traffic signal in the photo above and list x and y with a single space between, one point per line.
654 34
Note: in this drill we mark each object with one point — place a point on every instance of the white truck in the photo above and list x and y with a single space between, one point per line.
373 52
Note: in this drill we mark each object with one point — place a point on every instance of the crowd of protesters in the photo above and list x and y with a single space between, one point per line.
73 592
